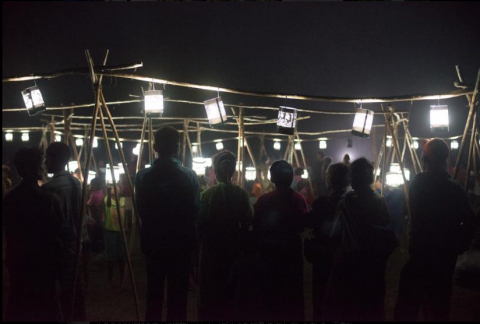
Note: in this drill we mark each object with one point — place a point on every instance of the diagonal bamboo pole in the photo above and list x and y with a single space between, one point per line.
470 150
385 155
142 139
305 164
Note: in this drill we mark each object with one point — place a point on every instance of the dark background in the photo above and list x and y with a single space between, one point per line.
333 49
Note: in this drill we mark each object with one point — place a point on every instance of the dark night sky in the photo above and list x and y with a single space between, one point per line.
332 49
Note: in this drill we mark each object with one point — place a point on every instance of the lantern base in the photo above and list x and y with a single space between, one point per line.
359 134
285 130
35 111
443 129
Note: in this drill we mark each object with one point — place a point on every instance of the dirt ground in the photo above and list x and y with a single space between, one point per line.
115 304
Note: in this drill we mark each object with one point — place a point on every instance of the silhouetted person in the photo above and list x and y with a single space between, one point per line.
440 228
356 288
318 173
279 222
39 241
168 199
225 215
69 189
321 218
346 160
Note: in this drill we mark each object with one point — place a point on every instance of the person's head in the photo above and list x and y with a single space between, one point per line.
57 157
346 159
435 155
96 184
167 142
119 190
224 166
298 171
361 172
29 162
320 155
337 177
282 174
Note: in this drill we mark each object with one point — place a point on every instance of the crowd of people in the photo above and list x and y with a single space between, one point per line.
245 245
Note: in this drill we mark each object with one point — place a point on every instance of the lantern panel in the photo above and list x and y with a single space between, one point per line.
287 118
72 166
9 136
454 145
215 111
219 146
394 179
33 100
250 173
298 146
389 141
154 101
194 148
198 165
415 144
25 137
58 138
79 142
322 144
362 124
277 146
439 118
95 142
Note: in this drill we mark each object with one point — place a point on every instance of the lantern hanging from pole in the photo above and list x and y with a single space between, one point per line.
287 118
154 102
199 165
33 100
95 142
136 150
439 118
323 143
58 138
219 145
298 146
9 136
194 148
208 162
147 166
389 141
277 145
454 145
395 167
250 174
25 137
305 174
116 145
393 179
415 143
239 166
79 141
72 166
215 111
362 124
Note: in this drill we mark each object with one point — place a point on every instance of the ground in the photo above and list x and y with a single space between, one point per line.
106 303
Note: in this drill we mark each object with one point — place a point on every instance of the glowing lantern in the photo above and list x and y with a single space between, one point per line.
116 145
323 143
250 173
415 144
277 145
136 150
25 137
208 162
219 145
393 179
215 111
194 148
454 145
147 166
72 166
362 124
298 146
395 167
58 138
389 141
33 100
305 174
79 142
239 167
198 165
154 102
439 118
95 142
287 118
9 136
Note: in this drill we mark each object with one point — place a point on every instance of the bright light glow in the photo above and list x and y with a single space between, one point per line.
117 170
72 166
454 145
95 142
136 150
219 146
250 173
389 141
415 144
323 143
25 137
79 141
439 118
49 175
379 170
147 166
208 162
298 146
116 145
215 111
305 174
287 118
394 179
33 100
58 138
9 136
362 124
91 175
194 148
395 167
198 165
241 166
277 146
154 101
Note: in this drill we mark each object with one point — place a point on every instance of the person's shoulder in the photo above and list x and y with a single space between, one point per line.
142 173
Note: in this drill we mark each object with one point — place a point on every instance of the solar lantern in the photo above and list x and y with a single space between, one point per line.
415 144
250 173
95 142
154 102
394 179
389 141
454 145
362 124
25 137
277 145
58 138
287 118
322 144
305 174
194 148
219 145
198 165
215 111
136 149
72 166
33 101
9 136
79 141
439 118
298 146
395 167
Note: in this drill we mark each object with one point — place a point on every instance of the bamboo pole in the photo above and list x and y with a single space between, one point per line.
385 156
142 139
199 139
184 142
250 154
467 126
297 160
410 148
122 231
470 150
150 140
52 130
77 157
242 165
189 143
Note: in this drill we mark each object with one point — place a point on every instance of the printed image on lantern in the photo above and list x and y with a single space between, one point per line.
393 179
219 145
323 143
395 167
362 124
439 118
277 145
136 149
9 136
154 102
389 141
25 137
58 138
287 118
198 165
250 174
79 142
298 146
215 111
33 100
95 142
454 145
